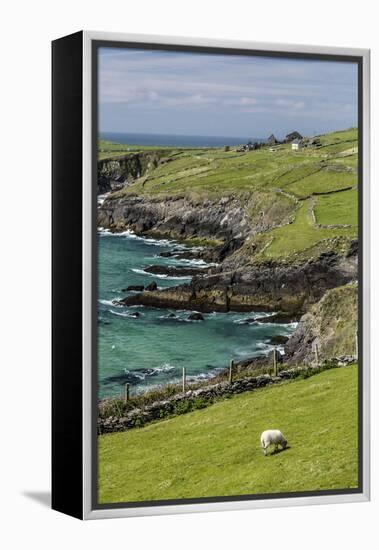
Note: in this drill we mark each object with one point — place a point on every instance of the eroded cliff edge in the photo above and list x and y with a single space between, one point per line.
281 229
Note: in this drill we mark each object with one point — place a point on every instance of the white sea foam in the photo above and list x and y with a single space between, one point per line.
108 233
123 314
160 276
166 367
110 302
191 261
101 198
281 325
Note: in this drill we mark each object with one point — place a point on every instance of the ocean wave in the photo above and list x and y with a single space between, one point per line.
166 367
110 302
266 348
292 325
155 275
179 319
253 319
124 314
184 262
143 374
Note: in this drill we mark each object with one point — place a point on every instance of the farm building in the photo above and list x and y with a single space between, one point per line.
297 144
272 140
293 136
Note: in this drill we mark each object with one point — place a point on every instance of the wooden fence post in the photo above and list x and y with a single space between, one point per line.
231 366
126 394
316 355
184 379
275 364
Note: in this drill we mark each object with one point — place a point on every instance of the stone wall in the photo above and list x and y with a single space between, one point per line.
202 397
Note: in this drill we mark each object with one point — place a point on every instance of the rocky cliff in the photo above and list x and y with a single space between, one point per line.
331 325
266 287
116 172
240 282
178 218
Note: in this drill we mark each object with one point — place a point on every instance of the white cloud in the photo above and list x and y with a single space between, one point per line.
290 103
178 82
241 101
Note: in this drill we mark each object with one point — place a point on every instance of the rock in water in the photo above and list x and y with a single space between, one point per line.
278 339
135 314
172 271
195 317
152 286
280 317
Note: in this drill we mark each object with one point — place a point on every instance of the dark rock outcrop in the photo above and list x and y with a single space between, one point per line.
268 287
181 218
116 171
173 271
279 317
278 340
195 317
151 286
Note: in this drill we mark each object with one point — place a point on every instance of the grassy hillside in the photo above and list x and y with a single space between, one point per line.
311 193
214 172
111 150
216 451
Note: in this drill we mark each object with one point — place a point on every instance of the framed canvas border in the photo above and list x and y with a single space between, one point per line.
91 509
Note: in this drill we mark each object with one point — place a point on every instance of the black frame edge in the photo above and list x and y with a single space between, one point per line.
67 405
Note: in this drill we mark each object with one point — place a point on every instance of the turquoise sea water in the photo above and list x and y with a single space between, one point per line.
151 349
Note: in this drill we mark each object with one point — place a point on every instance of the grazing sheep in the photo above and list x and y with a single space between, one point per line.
272 437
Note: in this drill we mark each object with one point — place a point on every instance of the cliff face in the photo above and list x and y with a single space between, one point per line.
331 324
179 218
239 283
114 173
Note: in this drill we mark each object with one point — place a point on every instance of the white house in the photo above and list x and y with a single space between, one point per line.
296 144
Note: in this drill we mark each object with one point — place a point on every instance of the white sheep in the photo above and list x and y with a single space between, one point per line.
272 437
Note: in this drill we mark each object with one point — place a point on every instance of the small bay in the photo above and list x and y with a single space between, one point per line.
147 346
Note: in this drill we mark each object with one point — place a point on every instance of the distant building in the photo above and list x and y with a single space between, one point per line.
296 145
293 136
248 147
272 140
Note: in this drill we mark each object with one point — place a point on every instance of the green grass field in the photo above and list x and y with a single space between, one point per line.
303 233
338 208
277 185
214 172
216 451
110 150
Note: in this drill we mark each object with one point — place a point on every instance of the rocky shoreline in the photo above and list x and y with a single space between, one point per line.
236 283
264 288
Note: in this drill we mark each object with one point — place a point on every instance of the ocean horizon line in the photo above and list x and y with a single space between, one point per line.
189 140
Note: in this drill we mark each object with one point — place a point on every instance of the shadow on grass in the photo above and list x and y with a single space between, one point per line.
277 452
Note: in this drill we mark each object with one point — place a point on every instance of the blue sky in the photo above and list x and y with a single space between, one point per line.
162 92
